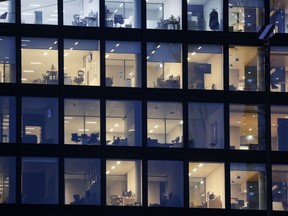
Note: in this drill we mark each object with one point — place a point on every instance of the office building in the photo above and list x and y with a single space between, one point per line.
130 107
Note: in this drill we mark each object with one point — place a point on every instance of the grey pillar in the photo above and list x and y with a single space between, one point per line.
260 69
11 11
137 14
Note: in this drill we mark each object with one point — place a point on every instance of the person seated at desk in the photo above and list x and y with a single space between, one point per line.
76 199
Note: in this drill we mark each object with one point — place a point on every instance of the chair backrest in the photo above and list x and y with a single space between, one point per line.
74 137
4 16
80 73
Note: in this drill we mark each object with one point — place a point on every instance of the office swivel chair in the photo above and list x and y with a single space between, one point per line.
94 139
3 16
75 138
115 200
79 78
118 19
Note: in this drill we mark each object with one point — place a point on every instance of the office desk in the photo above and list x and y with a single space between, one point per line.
129 200
91 21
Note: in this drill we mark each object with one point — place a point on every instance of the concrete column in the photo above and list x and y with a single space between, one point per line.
137 14
11 11
260 69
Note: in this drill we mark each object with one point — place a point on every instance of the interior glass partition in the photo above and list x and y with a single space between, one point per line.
81 13
246 68
206 125
123 14
82 181
39 12
245 16
82 121
39 183
124 182
279 15
205 67
164 65
7 119
205 15
164 124
279 124
39 57
279 187
206 185
164 14
123 123
247 127
7 59
7 11
81 62
123 64
7 180
40 120
165 183
248 186
278 65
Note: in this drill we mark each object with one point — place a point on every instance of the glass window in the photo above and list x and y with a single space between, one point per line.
205 67
279 187
164 65
278 80
82 121
247 127
82 181
165 183
123 13
164 14
164 124
123 123
246 16
81 12
39 60
206 125
248 186
39 120
279 124
124 182
205 15
7 59
278 17
246 68
7 180
123 64
39 12
39 180
206 185
7 119
7 11
81 62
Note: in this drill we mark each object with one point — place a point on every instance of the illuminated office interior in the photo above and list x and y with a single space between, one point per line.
130 107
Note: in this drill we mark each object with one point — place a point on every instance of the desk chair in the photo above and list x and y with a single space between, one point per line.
75 138
94 139
3 16
115 200
118 19
79 79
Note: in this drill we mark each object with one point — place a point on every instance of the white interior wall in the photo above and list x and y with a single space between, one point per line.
153 192
172 7
131 180
216 76
235 137
215 183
